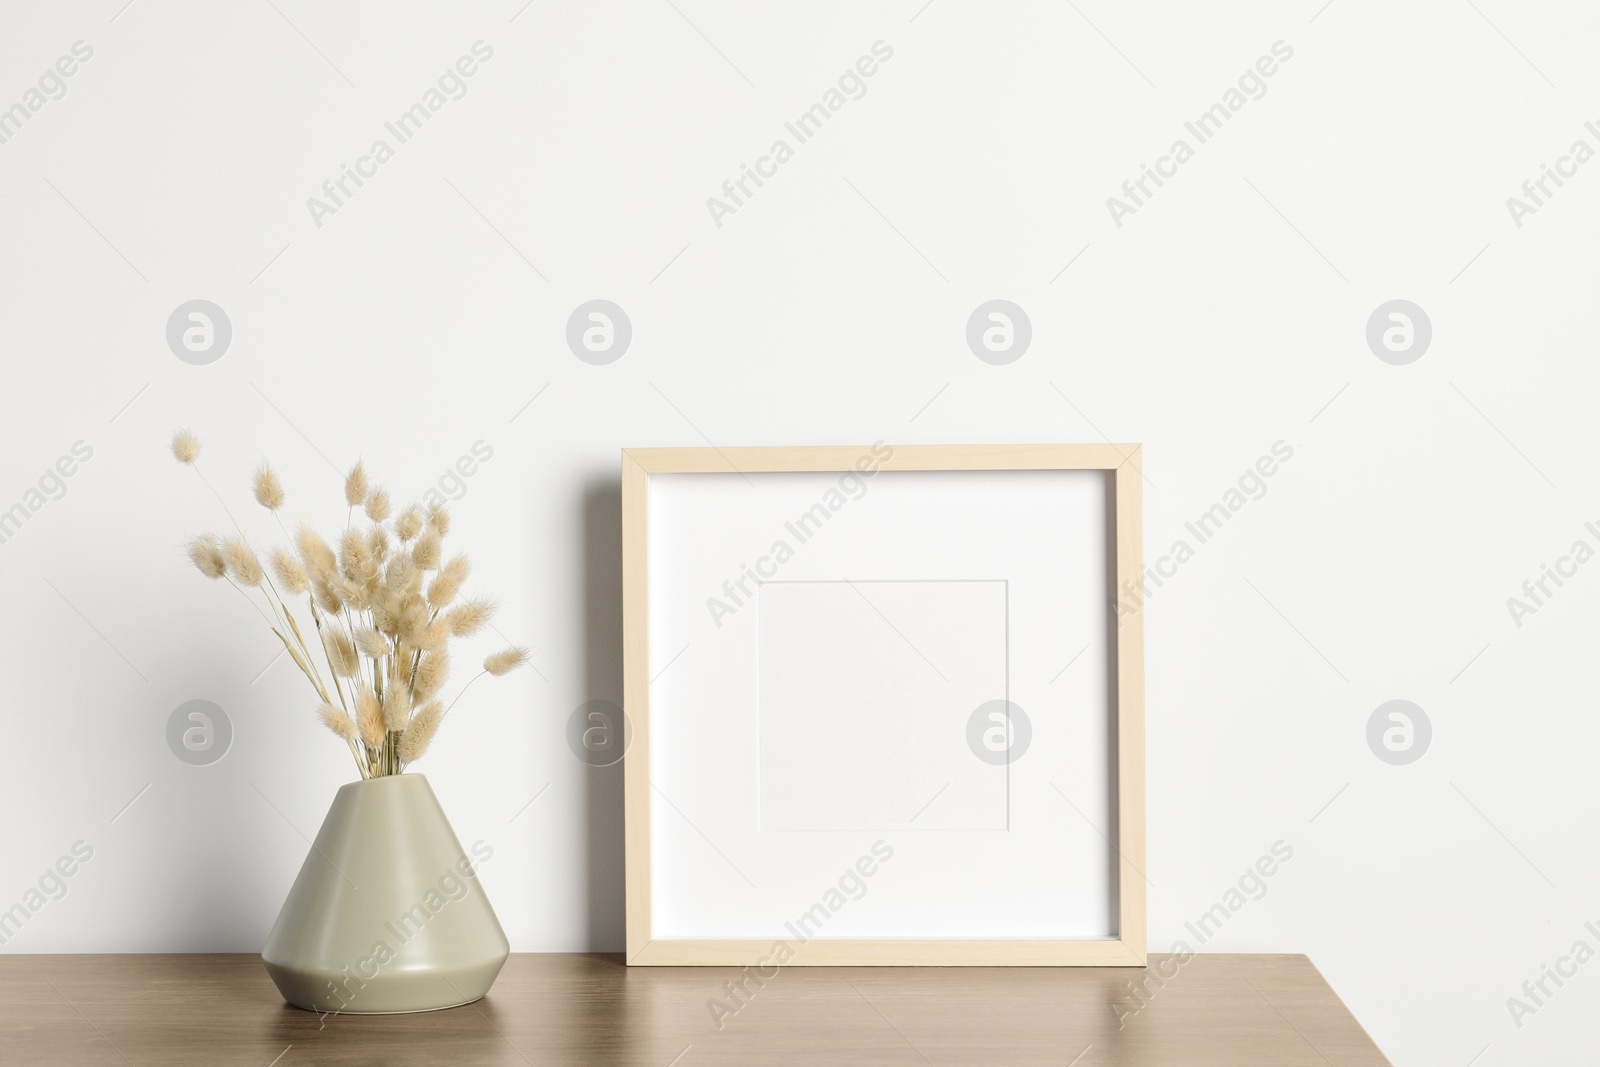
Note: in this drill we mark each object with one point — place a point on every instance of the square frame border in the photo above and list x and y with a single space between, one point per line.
1128 948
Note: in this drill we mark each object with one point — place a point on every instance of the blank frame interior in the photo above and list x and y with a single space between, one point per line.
814 655
850 671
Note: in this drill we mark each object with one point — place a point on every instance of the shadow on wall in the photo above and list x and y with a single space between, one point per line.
602 652
1113 762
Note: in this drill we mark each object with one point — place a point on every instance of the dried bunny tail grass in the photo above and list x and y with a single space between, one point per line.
290 571
355 486
372 644
355 556
402 576
369 717
446 586
433 672
326 598
424 724
242 562
185 446
338 721
434 636
428 551
206 552
385 598
319 559
409 523
469 617
386 617
396 706
378 542
505 661
378 504
268 489
355 595
439 520
342 655
413 618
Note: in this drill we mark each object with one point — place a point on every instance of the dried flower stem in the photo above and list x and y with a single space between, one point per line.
463 693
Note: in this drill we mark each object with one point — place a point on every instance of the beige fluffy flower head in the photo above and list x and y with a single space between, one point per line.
396 706
413 617
427 552
355 486
355 556
369 717
342 654
424 724
372 644
243 565
378 504
206 552
290 571
185 446
434 636
469 617
401 577
386 617
336 720
355 595
409 523
432 674
315 554
268 489
326 598
505 661
378 542
444 588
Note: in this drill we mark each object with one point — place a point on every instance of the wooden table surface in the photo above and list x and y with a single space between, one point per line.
176 1011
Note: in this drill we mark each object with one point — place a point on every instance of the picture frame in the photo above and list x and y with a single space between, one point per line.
654 874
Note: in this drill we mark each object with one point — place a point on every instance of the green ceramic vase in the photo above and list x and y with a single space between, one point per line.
387 914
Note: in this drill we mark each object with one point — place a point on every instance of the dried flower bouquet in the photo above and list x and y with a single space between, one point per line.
384 607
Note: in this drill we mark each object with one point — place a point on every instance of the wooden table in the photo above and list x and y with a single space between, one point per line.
176 1011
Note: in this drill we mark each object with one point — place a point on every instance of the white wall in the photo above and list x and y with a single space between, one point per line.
1227 314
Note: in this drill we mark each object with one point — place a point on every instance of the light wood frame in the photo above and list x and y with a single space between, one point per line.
1128 947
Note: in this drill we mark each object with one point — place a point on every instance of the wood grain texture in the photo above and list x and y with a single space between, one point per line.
864 952
199 1011
1126 552
1128 632
767 459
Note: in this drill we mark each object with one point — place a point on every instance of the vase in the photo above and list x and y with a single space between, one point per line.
387 914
